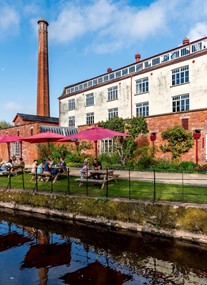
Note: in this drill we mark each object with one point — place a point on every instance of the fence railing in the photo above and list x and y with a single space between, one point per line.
129 184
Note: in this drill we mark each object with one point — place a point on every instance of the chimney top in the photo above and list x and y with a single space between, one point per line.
109 69
137 57
42 20
186 41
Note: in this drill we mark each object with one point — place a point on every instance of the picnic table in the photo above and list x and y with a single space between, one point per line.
47 176
104 174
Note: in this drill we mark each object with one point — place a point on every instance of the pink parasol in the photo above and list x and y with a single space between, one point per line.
8 139
93 134
43 137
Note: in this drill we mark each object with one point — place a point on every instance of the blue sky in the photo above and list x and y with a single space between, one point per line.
85 38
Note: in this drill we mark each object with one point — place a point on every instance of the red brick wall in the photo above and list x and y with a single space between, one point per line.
29 151
196 120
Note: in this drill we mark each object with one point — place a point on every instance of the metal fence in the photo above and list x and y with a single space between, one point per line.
130 184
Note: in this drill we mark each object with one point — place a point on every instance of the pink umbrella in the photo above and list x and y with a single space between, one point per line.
8 139
43 137
93 134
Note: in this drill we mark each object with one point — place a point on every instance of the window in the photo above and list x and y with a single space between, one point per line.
112 113
142 109
16 148
90 118
90 99
180 103
180 75
107 146
112 93
71 104
71 121
142 85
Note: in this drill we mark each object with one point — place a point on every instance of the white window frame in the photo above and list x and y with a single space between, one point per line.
180 103
142 85
107 146
90 118
112 93
71 104
113 112
16 146
180 75
142 109
71 121
89 99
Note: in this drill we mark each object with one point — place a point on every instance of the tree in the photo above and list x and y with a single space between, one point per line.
4 124
134 127
178 140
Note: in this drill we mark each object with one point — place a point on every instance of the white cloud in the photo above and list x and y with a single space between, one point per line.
198 31
9 20
109 22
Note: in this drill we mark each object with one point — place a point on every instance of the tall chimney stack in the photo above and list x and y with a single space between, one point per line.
43 96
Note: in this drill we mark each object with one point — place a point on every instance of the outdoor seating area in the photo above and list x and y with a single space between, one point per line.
104 175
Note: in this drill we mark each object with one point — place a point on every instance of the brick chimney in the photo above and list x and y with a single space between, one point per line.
186 41
137 57
43 96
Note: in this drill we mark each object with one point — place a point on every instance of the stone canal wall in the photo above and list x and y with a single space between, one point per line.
173 220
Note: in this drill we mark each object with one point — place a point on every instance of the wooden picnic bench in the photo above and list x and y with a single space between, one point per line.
105 176
48 176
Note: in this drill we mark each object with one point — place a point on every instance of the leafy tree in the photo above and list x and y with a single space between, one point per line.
134 127
4 124
178 141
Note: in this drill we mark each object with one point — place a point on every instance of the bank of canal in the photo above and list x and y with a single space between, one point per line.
174 220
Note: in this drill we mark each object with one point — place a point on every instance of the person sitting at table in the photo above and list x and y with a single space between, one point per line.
47 166
21 163
96 166
6 166
34 166
84 170
14 161
40 168
62 165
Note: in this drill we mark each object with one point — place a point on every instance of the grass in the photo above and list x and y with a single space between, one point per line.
123 189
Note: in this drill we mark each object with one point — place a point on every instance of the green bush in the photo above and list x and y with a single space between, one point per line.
186 166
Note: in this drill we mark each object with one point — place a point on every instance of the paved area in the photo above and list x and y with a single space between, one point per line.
177 178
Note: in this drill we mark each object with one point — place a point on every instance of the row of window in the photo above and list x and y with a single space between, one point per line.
179 103
112 95
179 76
113 112
163 58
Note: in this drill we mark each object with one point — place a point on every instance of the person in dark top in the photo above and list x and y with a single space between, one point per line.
96 166
62 165
47 166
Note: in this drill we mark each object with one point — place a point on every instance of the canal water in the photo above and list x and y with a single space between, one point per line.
47 252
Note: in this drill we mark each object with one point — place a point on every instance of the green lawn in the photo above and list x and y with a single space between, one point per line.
123 189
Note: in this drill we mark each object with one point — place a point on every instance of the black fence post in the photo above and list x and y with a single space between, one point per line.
87 182
23 187
36 181
68 171
129 184
107 184
154 195
51 183
182 186
9 182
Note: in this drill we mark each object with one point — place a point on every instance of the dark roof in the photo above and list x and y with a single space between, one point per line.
34 118
65 131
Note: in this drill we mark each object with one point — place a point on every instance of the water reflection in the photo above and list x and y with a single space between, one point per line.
33 251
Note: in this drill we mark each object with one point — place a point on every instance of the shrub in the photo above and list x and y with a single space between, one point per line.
187 166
